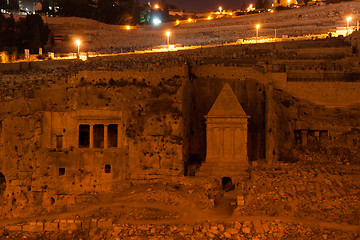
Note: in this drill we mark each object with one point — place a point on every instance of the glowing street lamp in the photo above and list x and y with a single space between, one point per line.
288 2
220 9
78 44
156 21
177 22
189 20
127 27
348 19
257 32
168 39
156 6
209 18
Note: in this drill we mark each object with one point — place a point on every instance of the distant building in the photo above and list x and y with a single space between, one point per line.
176 12
26 6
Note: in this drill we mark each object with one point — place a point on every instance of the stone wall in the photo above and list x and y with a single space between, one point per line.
42 156
54 145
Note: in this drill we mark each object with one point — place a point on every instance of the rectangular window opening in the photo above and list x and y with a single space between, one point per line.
297 135
107 168
112 135
61 171
99 136
59 142
84 136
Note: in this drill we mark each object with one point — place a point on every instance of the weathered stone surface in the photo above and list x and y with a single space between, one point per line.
51 226
258 227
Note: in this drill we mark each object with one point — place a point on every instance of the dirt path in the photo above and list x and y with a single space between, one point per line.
188 215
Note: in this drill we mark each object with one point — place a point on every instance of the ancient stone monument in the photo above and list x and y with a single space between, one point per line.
226 137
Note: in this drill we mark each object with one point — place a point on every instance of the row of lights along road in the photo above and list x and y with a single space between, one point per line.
168 33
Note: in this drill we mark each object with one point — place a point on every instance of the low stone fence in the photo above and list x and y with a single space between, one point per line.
61 225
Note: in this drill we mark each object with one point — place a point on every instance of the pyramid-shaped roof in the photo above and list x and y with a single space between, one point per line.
227 105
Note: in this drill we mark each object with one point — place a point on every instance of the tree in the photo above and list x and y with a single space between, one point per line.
45 6
33 32
13 5
3 4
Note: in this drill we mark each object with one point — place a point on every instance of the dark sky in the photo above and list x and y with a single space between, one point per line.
203 5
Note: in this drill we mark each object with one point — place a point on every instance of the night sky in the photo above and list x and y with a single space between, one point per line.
203 5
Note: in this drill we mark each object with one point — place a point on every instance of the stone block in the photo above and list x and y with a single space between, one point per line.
227 235
51 226
93 223
237 225
73 225
232 231
143 228
33 227
63 225
258 227
104 223
85 224
246 230
13 227
266 227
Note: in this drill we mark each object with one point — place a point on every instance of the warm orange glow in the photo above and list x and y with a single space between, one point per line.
220 9
177 22
230 14
77 42
189 20
168 33
156 6
348 19
271 10
250 8
128 27
209 18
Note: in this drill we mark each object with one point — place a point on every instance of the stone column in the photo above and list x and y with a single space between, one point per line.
120 137
227 142
221 143
105 136
209 142
91 136
304 137
237 143
216 143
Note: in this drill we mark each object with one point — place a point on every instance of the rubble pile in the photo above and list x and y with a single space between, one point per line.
327 192
255 230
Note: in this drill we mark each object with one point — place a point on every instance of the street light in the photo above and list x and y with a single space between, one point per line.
78 44
348 19
257 32
288 2
220 9
168 39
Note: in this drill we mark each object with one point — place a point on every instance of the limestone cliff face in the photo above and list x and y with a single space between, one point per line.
93 131
71 128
